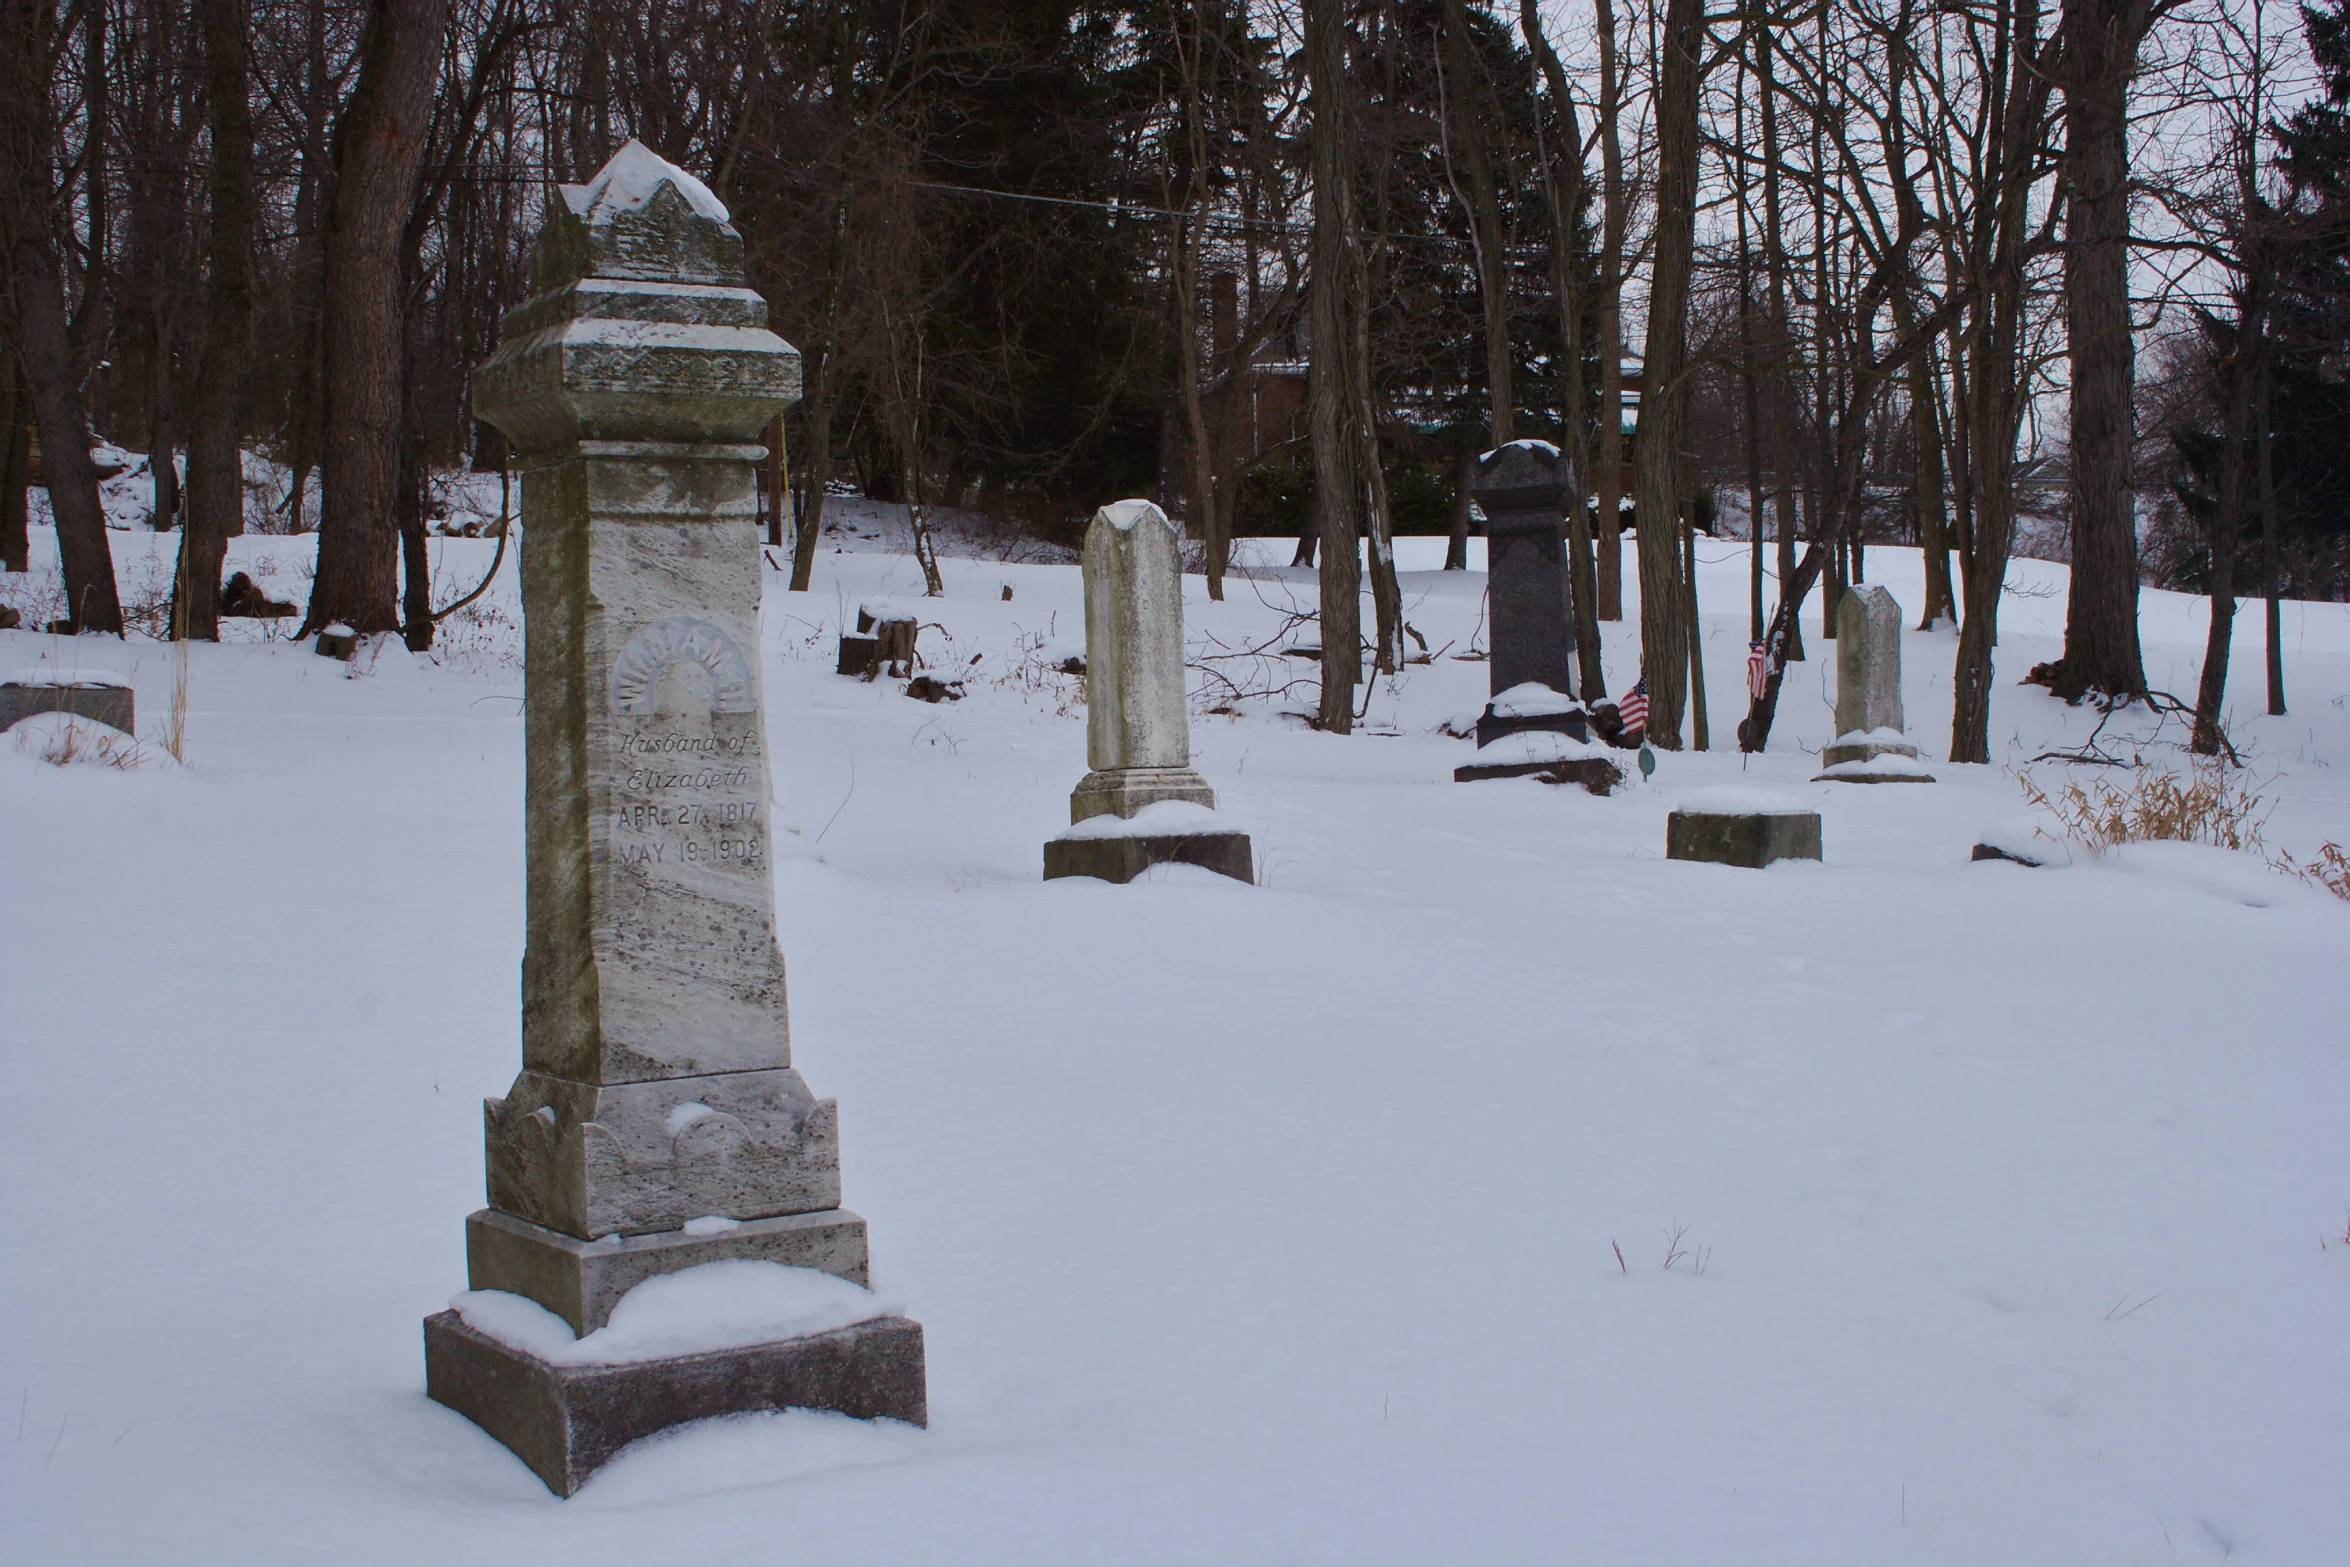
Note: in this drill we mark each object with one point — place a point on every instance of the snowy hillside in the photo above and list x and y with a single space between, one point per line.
1482 1187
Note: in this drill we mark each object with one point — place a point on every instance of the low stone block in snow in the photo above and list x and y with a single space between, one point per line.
1740 826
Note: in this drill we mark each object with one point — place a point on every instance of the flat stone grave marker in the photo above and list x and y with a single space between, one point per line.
99 695
1740 826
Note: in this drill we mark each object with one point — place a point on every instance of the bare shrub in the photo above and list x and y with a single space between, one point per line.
2211 805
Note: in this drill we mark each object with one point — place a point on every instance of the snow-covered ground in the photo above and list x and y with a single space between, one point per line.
1483 1187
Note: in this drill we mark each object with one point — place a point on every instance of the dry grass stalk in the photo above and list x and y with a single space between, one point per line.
2211 806
2330 870
80 740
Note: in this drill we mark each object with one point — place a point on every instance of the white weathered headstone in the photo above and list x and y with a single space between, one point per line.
1137 721
658 1123
1868 694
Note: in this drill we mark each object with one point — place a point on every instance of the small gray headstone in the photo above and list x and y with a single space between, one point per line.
1868 694
1137 719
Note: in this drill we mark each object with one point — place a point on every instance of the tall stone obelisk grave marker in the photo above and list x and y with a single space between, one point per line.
658 1125
1142 804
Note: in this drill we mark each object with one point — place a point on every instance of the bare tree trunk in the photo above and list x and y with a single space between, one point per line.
36 315
772 473
1338 487
1224 496
1456 546
1183 278
1567 192
163 431
2101 652
1750 405
88 560
2270 585
1484 212
2225 531
216 479
816 472
16 461
2019 81
1613 201
1664 386
1933 527
1777 388
1825 235
309 269
1378 528
379 143
1698 732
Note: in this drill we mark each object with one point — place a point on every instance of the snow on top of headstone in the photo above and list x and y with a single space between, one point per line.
719 1305
1537 745
1881 735
1545 447
1888 764
1160 819
630 179
1532 699
53 675
1123 515
1737 800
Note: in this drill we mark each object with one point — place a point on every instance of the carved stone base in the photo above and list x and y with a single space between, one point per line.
1125 790
566 1422
581 1281
1595 773
639 1158
1865 751
1574 725
1123 859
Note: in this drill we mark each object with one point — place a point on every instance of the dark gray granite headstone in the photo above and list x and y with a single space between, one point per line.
1523 490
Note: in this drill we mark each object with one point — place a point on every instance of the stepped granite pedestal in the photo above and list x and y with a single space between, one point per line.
658 1123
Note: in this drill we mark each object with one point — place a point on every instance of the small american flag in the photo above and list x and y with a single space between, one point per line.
1634 708
1758 670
